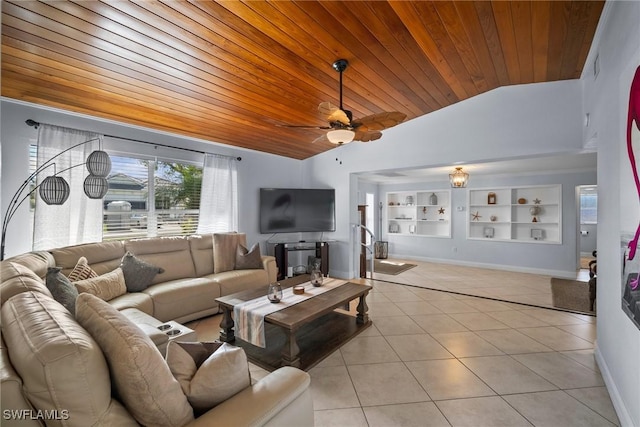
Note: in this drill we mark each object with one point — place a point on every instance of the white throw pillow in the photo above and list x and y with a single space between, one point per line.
106 287
209 373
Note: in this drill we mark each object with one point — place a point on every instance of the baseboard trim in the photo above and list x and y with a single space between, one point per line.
518 269
621 410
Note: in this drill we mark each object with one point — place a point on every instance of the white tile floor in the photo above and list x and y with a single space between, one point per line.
435 358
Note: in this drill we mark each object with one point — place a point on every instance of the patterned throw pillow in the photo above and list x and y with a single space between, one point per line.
248 259
82 271
61 288
138 274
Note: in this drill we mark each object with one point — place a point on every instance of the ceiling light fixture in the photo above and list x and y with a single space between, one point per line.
458 178
340 136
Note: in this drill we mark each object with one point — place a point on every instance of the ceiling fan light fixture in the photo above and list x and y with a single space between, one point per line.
340 136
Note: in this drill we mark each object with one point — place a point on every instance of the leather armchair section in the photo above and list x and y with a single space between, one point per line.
282 398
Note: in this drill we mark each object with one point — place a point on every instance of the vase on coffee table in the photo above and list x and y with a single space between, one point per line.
316 277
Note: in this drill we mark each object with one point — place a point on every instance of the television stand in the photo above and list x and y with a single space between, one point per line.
281 252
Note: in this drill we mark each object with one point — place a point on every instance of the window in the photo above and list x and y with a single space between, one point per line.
174 188
174 185
588 205
33 164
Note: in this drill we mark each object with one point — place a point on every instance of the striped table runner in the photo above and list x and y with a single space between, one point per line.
249 315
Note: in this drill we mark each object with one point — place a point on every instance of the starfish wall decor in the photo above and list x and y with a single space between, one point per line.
476 216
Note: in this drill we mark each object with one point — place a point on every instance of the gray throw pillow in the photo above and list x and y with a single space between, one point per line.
61 289
248 259
138 274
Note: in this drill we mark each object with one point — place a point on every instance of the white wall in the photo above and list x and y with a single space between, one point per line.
606 100
254 171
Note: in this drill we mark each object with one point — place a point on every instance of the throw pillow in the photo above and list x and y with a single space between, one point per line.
209 373
82 271
106 287
138 274
224 250
61 289
248 259
140 376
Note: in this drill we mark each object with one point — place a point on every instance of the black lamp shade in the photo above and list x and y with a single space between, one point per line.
95 187
54 190
98 164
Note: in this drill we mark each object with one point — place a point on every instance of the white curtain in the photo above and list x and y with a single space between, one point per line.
219 195
79 219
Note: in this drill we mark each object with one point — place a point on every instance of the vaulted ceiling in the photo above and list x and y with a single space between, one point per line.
234 72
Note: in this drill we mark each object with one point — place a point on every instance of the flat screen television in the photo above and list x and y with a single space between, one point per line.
292 210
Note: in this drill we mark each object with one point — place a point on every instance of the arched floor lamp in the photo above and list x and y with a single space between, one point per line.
54 189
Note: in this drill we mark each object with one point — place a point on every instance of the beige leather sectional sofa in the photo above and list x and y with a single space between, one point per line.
49 363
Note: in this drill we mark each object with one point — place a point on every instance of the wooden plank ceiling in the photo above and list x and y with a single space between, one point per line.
232 71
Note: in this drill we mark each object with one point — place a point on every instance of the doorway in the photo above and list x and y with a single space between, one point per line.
587 204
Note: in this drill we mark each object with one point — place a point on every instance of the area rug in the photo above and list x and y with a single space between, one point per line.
391 267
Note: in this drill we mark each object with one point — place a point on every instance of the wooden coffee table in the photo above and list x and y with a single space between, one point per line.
304 334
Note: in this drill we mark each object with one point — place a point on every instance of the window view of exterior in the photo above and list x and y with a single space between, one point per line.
588 205
174 188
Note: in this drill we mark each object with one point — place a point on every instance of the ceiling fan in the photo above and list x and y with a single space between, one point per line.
343 129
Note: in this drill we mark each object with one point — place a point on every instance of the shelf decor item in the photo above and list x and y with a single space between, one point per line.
537 234
488 232
408 201
522 201
535 211
424 212
433 199
493 218
491 199
476 216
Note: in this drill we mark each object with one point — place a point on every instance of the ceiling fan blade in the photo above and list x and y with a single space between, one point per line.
366 136
303 127
379 121
333 113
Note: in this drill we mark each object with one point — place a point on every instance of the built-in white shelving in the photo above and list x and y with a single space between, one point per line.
419 213
516 214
